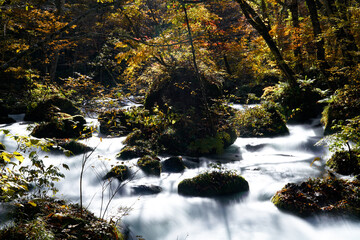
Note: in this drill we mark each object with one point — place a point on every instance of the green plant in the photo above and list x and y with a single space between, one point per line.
17 177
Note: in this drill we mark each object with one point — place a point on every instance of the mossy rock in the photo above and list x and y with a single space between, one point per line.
121 172
213 183
173 164
130 152
150 165
45 111
212 145
74 147
72 127
55 219
260 121
345 162
114 123
181 90
329 195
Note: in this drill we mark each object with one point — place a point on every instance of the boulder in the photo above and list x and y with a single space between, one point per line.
74 147
71 127
182 91
146 189
345 162
121 172
328 195
260 121
114 123
46 110
150 165
173 164
130 152
213 183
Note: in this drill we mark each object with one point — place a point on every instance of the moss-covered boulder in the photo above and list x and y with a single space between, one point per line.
329 195
45 110
130 152
68 127
345 162
121 172
150 165
260 121
213 183
55 219
74 147
173 164
181 89
114 123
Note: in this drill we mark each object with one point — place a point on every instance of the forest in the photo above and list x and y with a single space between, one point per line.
188 104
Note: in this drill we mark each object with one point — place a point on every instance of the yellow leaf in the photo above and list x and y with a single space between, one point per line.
32 203
18 156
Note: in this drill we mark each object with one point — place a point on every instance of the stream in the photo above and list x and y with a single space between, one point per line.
266 163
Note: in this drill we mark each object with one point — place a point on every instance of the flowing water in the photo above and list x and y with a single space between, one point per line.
266 163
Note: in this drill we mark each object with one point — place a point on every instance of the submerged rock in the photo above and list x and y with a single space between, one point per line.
214 183
329 195
146 189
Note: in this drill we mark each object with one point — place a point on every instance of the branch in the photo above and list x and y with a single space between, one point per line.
51 37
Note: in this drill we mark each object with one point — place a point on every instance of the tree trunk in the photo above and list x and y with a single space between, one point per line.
256 22
319 43
338 10
294 9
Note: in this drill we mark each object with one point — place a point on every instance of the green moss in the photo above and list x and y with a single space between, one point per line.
150 165
345 162
54 219
120 172
130 152
213 184
260 121
318 195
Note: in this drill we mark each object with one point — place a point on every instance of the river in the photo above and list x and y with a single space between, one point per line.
266 163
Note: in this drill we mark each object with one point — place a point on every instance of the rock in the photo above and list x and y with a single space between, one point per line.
146 189
181 91
72 127
121 172
74 147
345 162
114 123
329 195
173 164
260 121
46 110
150 165
130 152
255 148
214 183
